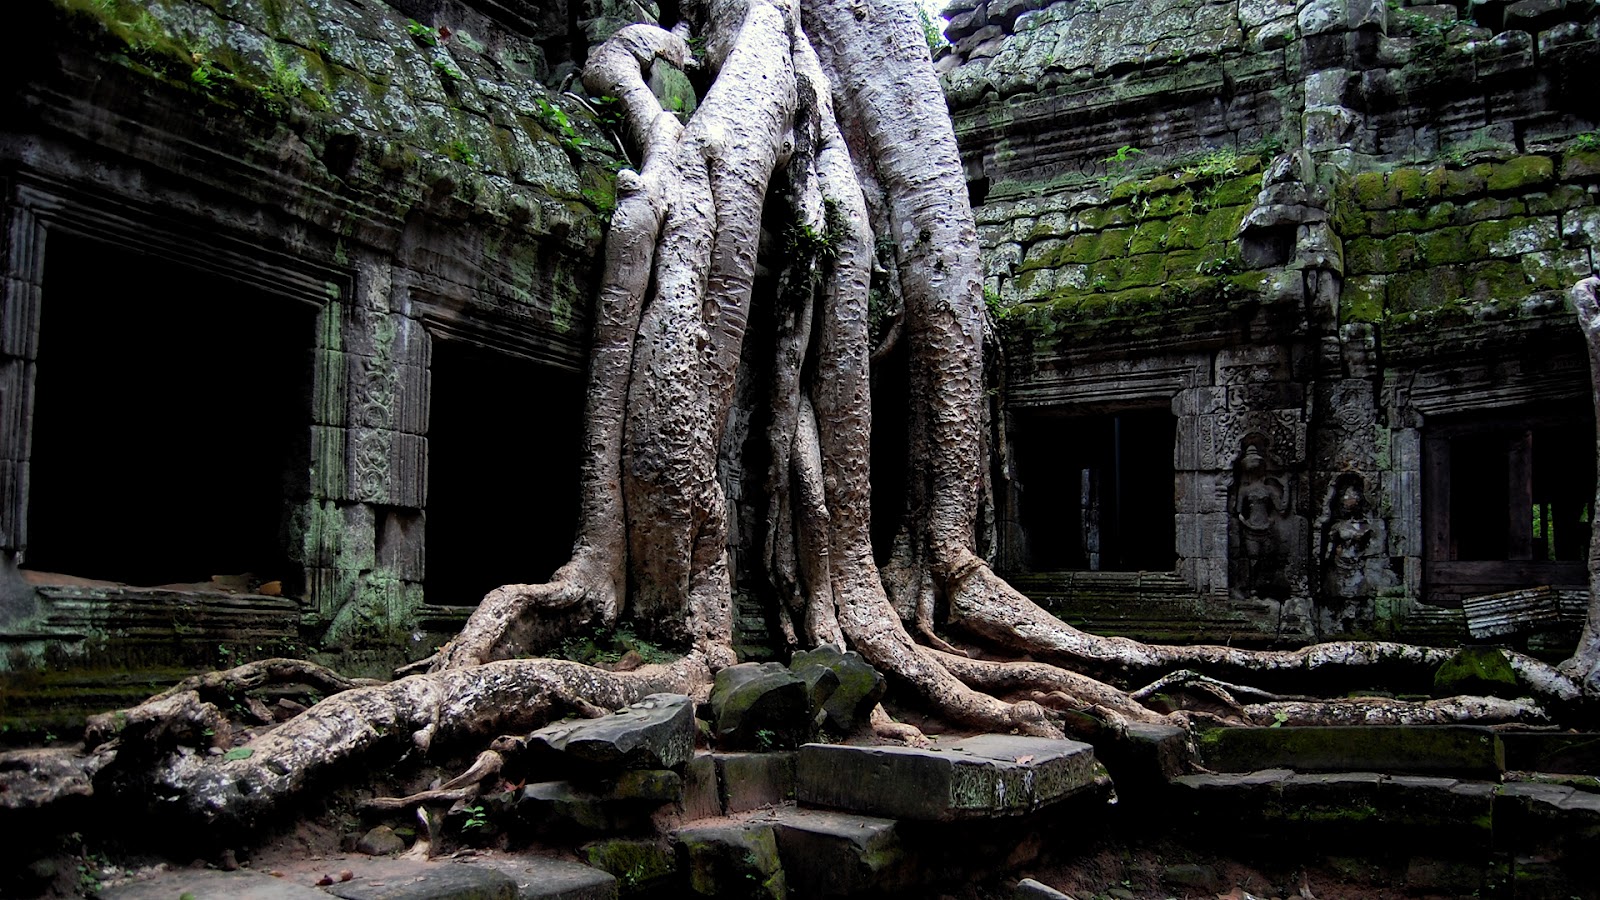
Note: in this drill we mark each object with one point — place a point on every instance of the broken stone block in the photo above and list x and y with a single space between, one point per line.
655 733
639 865
759 706
753 780
983 776
831 854
843 687
732 860
381 841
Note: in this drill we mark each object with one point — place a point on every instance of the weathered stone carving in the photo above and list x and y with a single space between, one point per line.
1351 552
1259 501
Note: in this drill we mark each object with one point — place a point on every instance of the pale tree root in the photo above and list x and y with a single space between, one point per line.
224 796
984 605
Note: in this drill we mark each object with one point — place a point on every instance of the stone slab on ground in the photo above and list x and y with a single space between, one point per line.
545 878
983 776
1463 750
406 880
834 854
209 884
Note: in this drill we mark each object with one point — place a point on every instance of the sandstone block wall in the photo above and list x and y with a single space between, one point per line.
1338 229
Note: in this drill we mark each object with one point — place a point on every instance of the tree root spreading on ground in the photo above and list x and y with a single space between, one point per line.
833 110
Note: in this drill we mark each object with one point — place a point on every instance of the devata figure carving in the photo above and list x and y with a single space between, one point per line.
1260 506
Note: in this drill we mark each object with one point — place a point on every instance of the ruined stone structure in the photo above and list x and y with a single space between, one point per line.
1317 250
1279 286
277 277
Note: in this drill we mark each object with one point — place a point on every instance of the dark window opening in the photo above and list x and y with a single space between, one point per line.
1520 491
171 421
1096 492
504 438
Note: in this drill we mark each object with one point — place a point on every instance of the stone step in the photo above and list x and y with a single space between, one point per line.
1459 750
1545 751
834 854
1462 750
983 776
1464 816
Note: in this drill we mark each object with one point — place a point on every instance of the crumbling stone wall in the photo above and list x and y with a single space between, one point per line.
1309 228
406 169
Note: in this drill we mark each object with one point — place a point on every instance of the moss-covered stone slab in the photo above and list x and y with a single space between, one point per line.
843 687
831 854
732 861
984 776
759 706
1457 750
640 865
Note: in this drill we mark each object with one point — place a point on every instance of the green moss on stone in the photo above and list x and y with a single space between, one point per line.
1371 191
1477 671
1362 299
1408 185
637 864
1580 164
1505 238
1369 256
1444 246
1521 173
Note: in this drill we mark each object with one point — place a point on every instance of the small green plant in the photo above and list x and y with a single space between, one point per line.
239 753
1589 140
1221 265
461 152
1278 719
477 817
449 74
1222 163
205 74
554 119
765 739
1123 156
421 33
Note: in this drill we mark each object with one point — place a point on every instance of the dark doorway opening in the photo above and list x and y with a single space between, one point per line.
504 441
171 420
1518 488
1097 491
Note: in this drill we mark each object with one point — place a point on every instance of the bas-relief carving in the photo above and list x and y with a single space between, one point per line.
1259 503
1351 555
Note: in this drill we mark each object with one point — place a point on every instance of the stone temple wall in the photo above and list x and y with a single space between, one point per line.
1332 240
404 176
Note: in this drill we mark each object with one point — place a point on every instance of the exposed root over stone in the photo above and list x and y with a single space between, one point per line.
830 109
